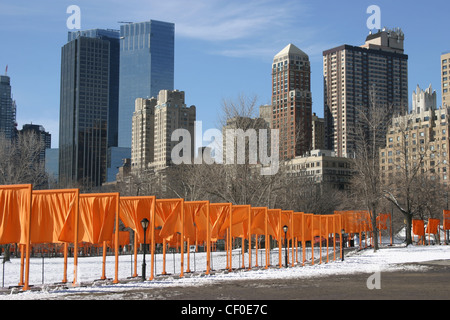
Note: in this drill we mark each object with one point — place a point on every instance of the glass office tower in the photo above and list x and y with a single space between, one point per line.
146 67
7 109
86 107
112 36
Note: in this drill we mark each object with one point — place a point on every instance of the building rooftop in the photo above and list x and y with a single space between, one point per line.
291 49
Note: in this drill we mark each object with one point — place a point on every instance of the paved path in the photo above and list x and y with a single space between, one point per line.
431 284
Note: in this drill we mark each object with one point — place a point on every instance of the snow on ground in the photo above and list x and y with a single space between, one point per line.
90 269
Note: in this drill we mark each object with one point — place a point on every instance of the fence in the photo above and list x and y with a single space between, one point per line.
66 217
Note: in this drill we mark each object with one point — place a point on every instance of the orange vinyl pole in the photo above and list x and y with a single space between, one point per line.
334 237
303 240
208 241
292 238
256 250
312 239
327 236
104 261
75 241
188 256
340 236
296 249
22 264
366 230
266 240
320 240
182 239
116 245
231 237
164 257
28 245
152 239
243 251
227 248
279 243
65 263
249 239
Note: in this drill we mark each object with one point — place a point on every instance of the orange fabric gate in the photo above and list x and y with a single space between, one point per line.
15 222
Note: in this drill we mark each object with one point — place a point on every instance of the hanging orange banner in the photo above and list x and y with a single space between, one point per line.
286 220
258 217
297 224
50 209
124 239
240 220
169 216
196 220
274 218
133 210
15 207
307 226
220 215
382 220
446 222
432 226
418 227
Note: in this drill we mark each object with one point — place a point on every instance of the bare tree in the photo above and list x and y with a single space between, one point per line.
241 107
20 161
411 186
369 132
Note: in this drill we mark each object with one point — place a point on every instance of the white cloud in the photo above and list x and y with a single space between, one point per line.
231 27
230 20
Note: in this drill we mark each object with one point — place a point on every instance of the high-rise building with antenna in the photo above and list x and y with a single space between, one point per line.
351 73
7 108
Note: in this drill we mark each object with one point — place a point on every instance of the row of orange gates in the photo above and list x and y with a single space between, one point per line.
29 217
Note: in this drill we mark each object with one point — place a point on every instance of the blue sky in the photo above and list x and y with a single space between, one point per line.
223 48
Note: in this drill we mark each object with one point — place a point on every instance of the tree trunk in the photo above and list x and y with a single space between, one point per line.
408 231
374 230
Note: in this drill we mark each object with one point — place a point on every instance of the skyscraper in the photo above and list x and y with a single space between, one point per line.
445 79
112 36
292 101
86 106
154 121
143 143
7 109
171 113
350 73
146 67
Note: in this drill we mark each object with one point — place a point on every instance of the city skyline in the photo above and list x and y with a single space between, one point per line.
222 48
